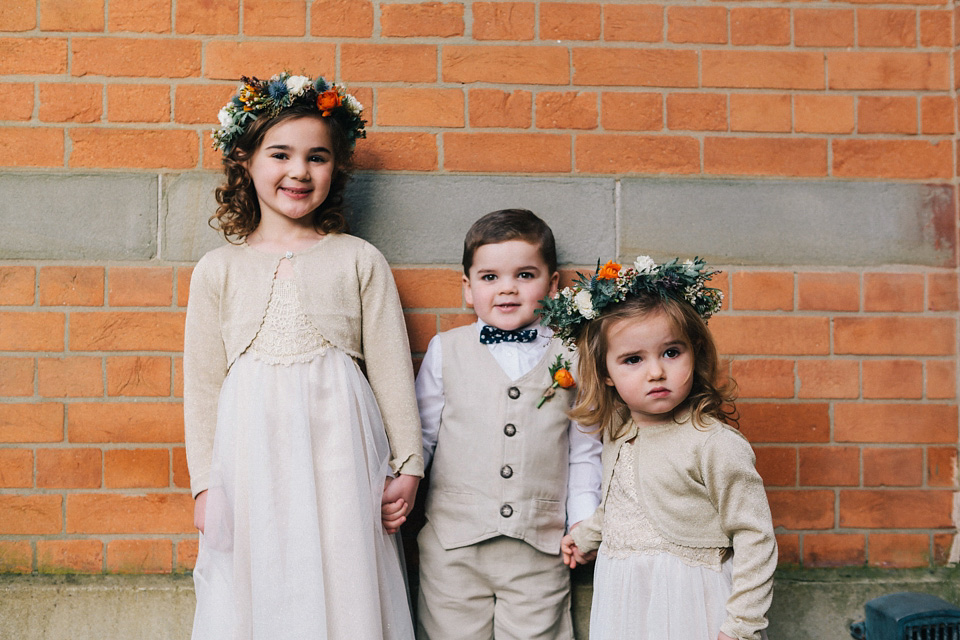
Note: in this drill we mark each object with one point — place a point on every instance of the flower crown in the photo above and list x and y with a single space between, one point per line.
569 311
257 98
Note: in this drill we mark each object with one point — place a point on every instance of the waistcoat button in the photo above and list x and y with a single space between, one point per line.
506 511
510 430
506 471
514 393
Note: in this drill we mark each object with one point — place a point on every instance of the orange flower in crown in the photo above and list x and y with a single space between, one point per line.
609 271
328 101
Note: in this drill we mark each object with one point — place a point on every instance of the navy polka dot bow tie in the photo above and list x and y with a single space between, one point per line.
493 335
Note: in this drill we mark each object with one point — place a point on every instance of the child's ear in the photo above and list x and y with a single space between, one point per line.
608 381
467 291
554 282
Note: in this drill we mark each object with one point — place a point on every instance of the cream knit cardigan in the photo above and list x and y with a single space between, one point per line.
348 293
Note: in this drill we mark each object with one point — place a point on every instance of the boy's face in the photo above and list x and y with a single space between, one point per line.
506 282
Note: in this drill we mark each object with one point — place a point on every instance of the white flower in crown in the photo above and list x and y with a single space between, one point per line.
298 84
352 104
584 303
225 117
644 264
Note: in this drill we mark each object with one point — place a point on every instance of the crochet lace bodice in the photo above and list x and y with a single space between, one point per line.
287 335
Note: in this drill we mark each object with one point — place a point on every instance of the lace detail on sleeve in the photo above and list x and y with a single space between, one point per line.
287 335
626 529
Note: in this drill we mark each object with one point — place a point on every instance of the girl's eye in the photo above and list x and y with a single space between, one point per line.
320 159
672 352
632 360
279 156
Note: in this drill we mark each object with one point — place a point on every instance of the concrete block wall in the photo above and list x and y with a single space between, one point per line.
807 148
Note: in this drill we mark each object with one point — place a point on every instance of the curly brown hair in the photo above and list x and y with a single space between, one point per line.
598 404
239 212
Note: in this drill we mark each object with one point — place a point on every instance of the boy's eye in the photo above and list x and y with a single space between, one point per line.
279 156
320 159
525 275
488 277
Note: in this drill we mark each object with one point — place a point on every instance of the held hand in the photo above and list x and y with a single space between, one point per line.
724 636
200 511
569 551
399 494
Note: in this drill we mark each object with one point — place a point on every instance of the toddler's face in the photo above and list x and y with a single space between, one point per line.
506 282
651 366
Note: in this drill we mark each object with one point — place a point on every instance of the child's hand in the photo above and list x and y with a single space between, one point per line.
200 511
399 494
570 552
724 636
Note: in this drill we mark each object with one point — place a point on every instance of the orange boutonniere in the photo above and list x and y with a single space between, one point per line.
561 376
609 271
328 101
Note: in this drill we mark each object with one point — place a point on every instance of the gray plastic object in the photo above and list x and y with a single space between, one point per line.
908 616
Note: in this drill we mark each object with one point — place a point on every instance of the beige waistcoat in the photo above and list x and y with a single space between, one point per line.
486 483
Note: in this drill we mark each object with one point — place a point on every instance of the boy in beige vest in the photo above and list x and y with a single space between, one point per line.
509 467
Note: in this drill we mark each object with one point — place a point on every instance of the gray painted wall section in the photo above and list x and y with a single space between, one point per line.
78 217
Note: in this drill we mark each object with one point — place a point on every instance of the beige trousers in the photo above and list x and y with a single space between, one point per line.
500 588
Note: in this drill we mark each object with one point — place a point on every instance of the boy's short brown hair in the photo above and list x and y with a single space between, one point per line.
510 224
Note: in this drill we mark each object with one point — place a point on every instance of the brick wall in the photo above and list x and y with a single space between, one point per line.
847 369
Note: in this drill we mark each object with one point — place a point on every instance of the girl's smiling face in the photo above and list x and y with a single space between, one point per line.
651 366
292 169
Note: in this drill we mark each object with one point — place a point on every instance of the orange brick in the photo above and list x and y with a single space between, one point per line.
941 379
136 468
884 336
23 422
186 555
33 56
899 550
228 60
16 377
71 377
274 18
181 476
896 508
888 70
892 379
495 108
73 286
31 147
892 467
567 110
703 25
634 67
697 111
794 157
426 19
828 378
942 543
138 376
126 331
763 69
420 107
68 468
942 466
633 22
760 112
506 152
753 26
398 151
136 57
895 423
887 27
420 328
17 285
637 154
514 21
140 287
140 556
764 378
19 102
777 466
138 103
341 18
887 115
504 65
941 291
570 21
632 111
937 115
834 549
178 377
76 15
783 422
129 148
823 27
31 331
449 321
120 422
771 335
829 466
429 288
139 17
16 468
69 556
807 509
16 556
204 17
183 285
935 28
823 114
763 290
18 16
141 513
828 292
199 104
30 514
390 62
788 549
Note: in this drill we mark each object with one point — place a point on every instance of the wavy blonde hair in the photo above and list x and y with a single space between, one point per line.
712 395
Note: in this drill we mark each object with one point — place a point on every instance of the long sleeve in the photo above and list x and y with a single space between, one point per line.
583 478
204 369
386 353
430 397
